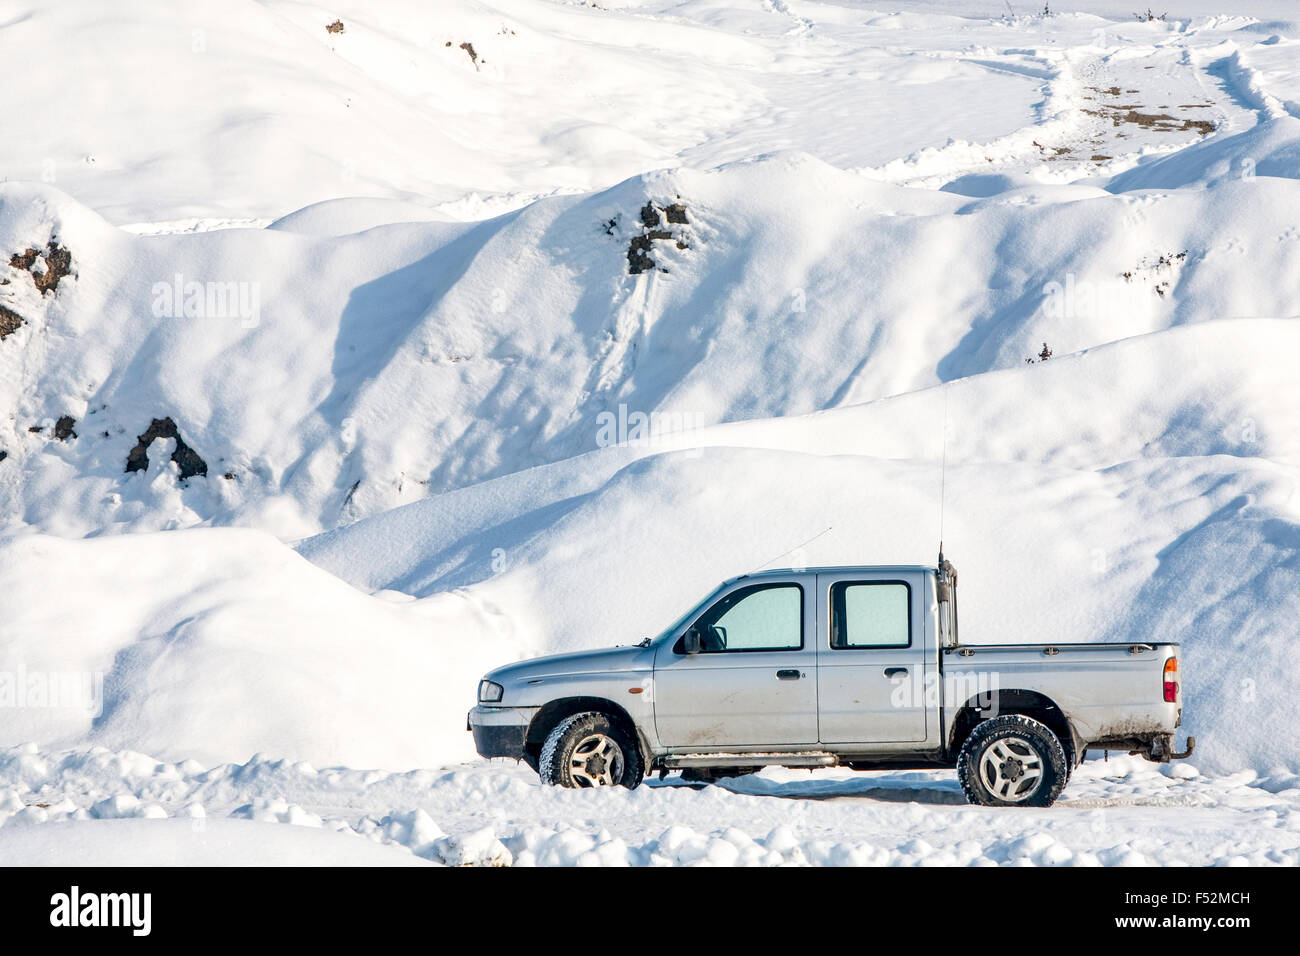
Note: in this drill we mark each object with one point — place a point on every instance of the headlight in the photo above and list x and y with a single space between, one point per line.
489 692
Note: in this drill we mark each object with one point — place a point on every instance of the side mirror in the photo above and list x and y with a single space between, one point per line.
691 641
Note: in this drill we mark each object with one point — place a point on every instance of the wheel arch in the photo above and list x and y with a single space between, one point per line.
1026 703
551 713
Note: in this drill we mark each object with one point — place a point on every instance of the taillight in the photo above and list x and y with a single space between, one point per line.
1171 680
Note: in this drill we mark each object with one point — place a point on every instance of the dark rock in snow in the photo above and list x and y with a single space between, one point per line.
638 259
9 322
58 263
186 458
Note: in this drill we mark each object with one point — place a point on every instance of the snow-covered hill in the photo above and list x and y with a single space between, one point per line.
413 358
326 378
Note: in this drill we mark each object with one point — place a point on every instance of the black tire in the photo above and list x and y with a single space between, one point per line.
997 762
589 750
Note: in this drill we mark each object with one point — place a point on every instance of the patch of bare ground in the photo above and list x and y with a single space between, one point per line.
63 428
1050 151
185 457
1131 114
9 322
46 266
655 223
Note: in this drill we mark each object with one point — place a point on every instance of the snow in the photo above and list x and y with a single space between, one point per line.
1122 812
182 843
382 290
214 644
427 356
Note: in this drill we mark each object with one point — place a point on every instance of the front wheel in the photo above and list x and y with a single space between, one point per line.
1012 761
590 750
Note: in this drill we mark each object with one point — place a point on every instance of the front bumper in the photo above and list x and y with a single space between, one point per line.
500 731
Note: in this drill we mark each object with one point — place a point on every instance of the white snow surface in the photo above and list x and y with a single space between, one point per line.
415 323
124 807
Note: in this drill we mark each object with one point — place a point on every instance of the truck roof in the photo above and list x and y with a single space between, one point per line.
834 569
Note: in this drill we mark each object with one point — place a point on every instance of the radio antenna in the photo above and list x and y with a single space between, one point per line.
795 548
943 470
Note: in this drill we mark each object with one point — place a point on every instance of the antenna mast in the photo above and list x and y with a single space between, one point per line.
946 583
943 471
795 548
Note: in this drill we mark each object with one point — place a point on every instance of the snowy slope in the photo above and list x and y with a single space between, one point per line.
462 105
264 111
372 369
1106 496
217 644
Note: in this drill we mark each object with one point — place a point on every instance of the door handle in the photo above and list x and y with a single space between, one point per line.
788 675
895 671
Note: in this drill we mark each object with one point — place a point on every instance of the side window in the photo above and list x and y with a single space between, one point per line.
765 617
870 614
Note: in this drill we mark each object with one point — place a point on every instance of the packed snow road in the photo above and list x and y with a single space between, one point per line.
1119 812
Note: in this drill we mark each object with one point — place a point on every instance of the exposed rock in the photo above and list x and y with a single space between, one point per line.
46 266
652 218
9 322
638 258
186 458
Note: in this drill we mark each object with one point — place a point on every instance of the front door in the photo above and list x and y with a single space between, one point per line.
753 682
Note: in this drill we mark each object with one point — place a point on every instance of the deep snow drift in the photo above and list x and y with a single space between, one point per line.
441 359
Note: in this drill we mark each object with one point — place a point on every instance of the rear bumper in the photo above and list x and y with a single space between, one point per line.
1158 748
500 731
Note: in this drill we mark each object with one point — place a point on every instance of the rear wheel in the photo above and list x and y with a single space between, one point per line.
1012 761
590 750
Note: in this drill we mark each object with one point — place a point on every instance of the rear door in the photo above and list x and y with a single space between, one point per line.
754 683
872 669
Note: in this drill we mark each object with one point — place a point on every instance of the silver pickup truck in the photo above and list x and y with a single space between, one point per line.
850 666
